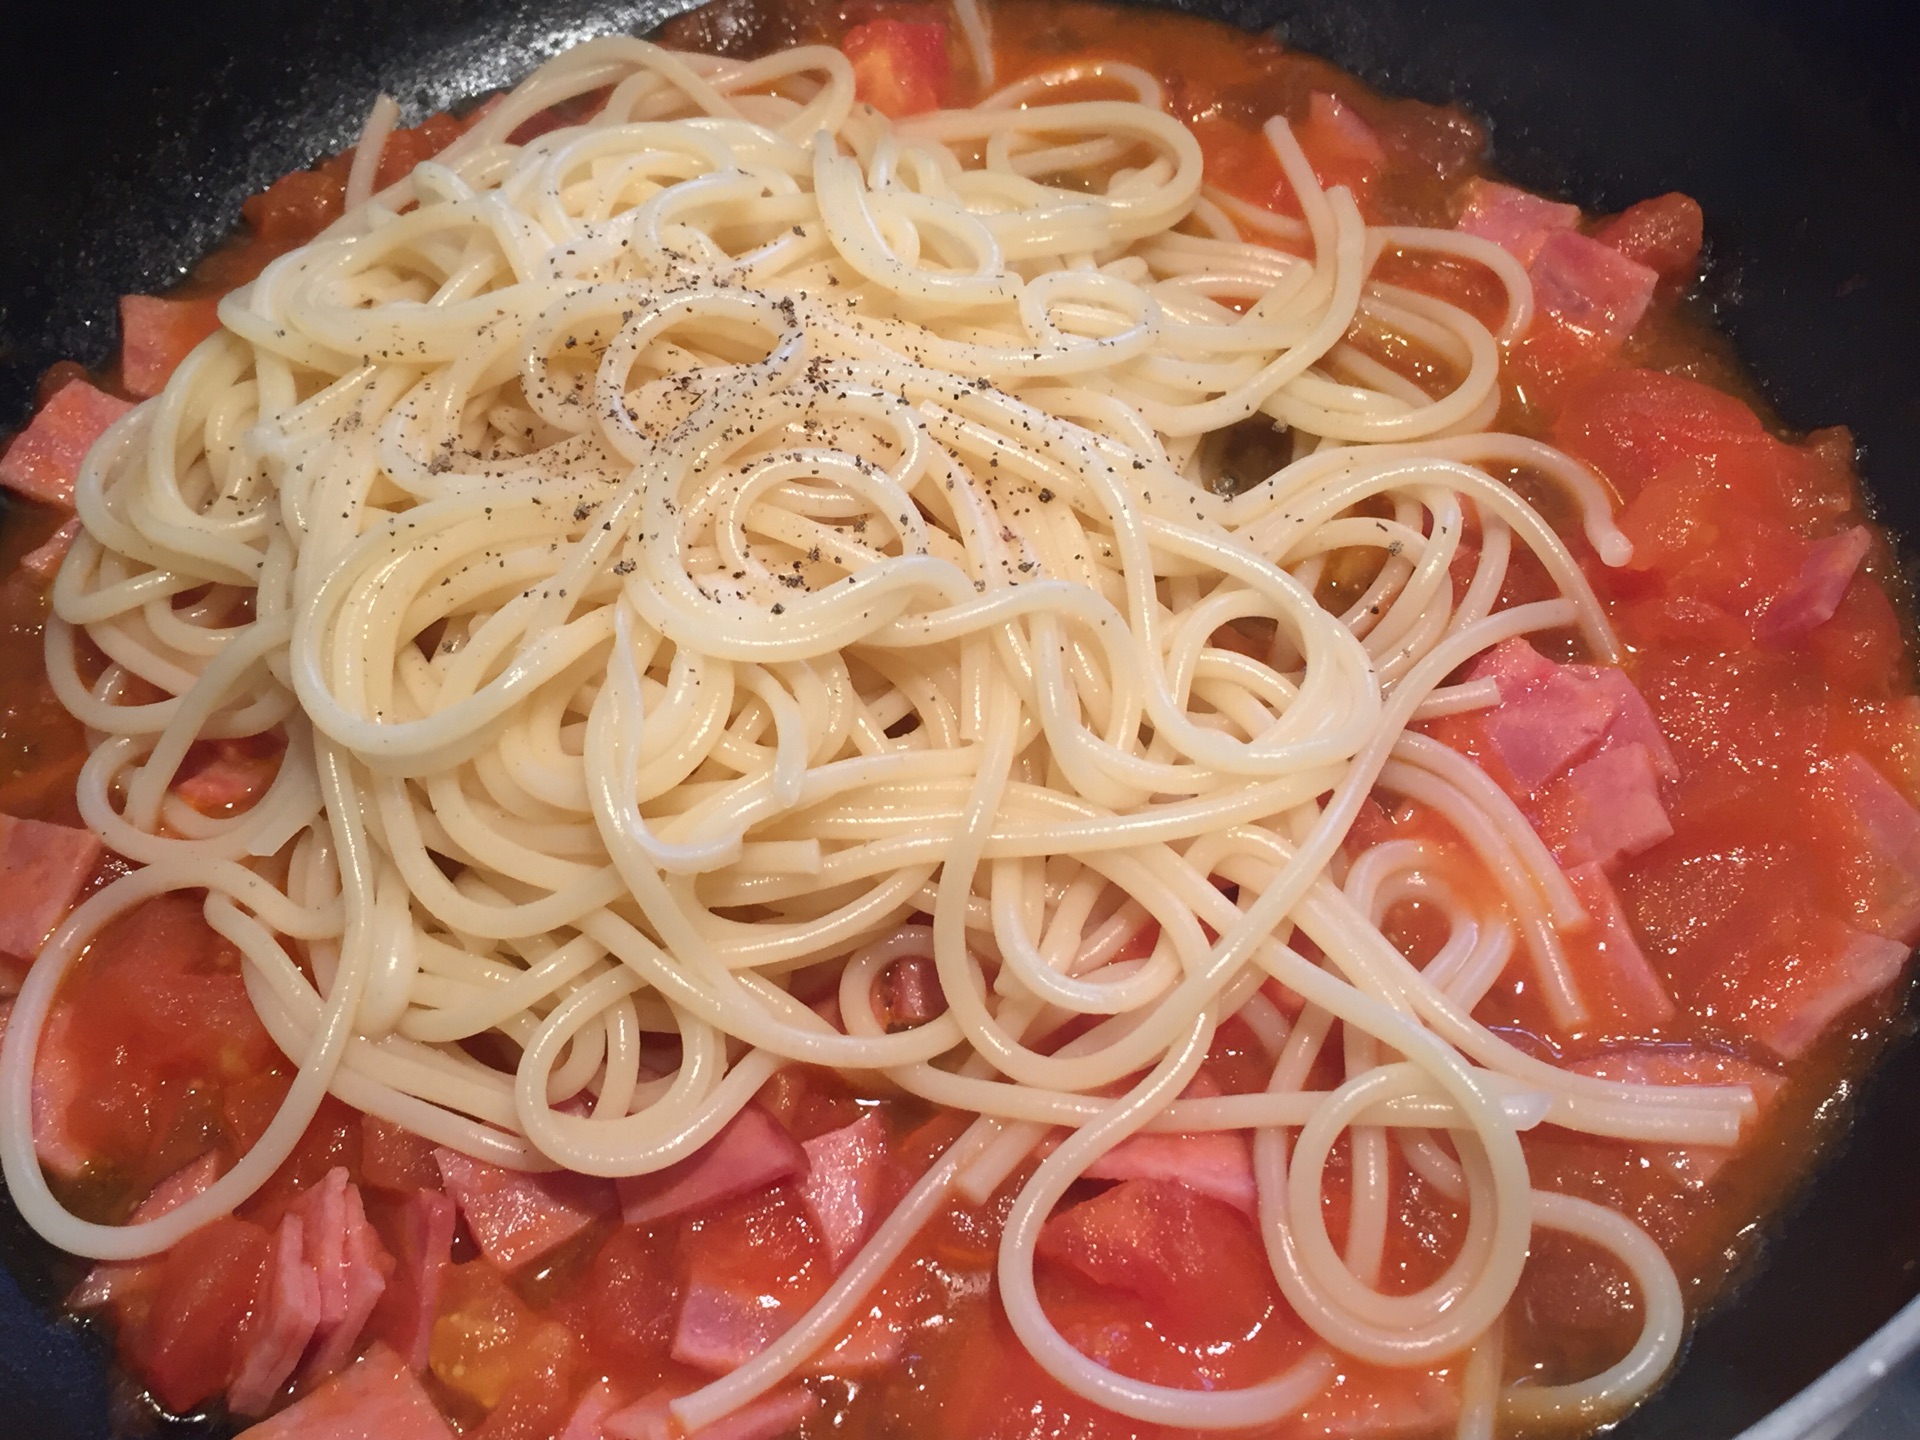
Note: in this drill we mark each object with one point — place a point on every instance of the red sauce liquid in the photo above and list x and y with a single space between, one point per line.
1724 908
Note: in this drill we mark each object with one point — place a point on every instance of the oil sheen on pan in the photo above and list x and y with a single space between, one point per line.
961 723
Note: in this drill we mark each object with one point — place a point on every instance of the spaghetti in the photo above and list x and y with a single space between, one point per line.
738 535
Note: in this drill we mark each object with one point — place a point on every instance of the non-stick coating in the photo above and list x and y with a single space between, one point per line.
129 133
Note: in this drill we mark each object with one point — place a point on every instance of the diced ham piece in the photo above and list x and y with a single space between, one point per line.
722 1327
588 1420
1606 809
910 992
1552 716
842 1186
1816 592
515 1216
289 1316
423 1242
1889 825
349 1264
1515 667
377 1399
1590 286
42 868
43 561
44 460
1692 1165
1514 219
752 1152
1217 1163
156 335
1633 722
1823 987
767 1418
106 1278
1621 989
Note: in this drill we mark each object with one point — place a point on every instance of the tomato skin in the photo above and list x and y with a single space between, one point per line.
186 1345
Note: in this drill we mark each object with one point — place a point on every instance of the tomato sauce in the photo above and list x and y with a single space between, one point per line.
1721 505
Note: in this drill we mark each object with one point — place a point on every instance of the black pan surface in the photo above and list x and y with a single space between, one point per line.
129 133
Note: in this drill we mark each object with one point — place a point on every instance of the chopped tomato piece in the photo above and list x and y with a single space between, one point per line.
168 1027
394 1158
539 1401
1194 1259
1664 234
479 1345
626 1304
900 67
186 1345
225 777
1341 147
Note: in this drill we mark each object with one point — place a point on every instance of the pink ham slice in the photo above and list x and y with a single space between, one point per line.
156 334
377 1399
1606 809
515 1216
588 1420
1824 985
107 1278
44 460
289 1316
1818 589
349 1264
43 561
1591 286
1514 219
424 1241
842 1186
721 1327
1623 991
752 1152
1692 1165
1889 827
42 868
1217 1163
767 1418
1552 716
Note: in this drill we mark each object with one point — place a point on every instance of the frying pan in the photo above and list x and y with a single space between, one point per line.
129 133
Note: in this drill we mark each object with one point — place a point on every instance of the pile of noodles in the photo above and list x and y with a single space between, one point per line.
738 535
